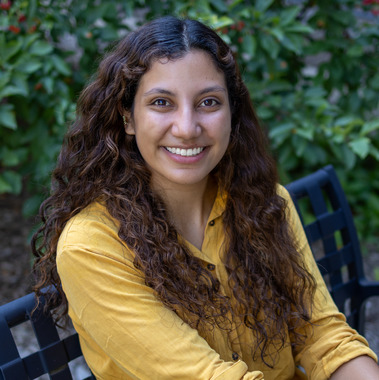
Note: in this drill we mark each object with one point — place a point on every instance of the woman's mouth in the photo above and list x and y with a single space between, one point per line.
185 152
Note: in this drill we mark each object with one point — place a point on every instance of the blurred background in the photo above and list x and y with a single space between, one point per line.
311 68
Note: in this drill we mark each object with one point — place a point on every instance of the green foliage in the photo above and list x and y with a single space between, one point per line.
311 69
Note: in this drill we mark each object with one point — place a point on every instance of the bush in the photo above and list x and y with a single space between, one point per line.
311 68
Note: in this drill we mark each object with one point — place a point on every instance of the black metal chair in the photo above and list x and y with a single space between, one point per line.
329 226
52 356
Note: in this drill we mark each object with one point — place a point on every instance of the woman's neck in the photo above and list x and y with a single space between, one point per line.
188 208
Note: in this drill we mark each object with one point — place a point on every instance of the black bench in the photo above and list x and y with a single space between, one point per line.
329 226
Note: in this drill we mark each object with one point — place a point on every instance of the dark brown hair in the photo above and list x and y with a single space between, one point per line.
98 160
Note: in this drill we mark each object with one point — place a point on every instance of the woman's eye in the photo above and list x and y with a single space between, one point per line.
161 103
209 103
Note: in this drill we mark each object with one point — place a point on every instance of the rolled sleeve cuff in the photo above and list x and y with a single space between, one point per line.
357 346
238 371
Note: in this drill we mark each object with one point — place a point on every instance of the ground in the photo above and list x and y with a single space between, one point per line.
16 258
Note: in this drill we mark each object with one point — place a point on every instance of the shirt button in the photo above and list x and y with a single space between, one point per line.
211 267
235 356
212 223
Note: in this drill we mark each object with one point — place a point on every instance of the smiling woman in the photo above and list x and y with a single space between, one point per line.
176 252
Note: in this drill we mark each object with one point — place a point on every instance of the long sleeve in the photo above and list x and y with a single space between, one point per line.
125 332
330 341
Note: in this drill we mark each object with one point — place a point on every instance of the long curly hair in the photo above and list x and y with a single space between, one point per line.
99 160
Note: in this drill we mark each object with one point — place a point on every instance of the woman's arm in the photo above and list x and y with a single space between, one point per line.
362 367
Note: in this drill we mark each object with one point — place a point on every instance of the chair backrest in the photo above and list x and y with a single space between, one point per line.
329 226
52 354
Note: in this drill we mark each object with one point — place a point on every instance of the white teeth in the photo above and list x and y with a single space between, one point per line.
185 152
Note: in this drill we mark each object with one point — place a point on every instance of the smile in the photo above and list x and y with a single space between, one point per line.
185 152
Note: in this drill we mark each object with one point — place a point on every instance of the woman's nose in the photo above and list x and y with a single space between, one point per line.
186 125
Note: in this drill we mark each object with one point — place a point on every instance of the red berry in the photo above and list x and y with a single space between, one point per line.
32 29
22 18
14 29
375 12
5 5
38 86
240 25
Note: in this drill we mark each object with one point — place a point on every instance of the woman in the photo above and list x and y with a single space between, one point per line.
174 249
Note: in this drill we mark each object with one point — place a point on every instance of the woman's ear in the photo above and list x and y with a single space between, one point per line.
128 123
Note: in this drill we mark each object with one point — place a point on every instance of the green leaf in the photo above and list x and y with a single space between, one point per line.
20 81
299 28
264 113
48 84
374 152
29 66
12 157
31 205
11 90
299 145
40 48
290 43
10 182
348 120
269 44
8 116
369 126
344 154
32 8
5 187
344 17
348 157
219 5
109 33
374 82
308 134
277 33
360 147
29 39
315 92
249 45
288 15
4 78
282 130
355 51
263 5
219 22
10 50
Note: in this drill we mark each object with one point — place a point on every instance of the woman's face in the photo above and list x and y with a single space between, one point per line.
181 120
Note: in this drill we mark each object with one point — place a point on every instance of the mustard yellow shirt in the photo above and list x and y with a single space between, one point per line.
126 333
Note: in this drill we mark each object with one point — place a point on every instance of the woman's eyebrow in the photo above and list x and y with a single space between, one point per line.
212 89
158 90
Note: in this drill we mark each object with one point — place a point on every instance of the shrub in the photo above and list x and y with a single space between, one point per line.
311 68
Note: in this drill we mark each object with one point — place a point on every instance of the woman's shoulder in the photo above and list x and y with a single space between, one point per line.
93 229
282 192
94 216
